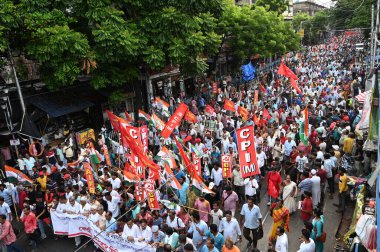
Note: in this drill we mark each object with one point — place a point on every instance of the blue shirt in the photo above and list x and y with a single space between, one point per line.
205 249
218 240
305 185
182 193
113 227
197 237
179 175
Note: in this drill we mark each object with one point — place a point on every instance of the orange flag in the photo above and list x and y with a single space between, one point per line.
266 114
243 112
128 117
293 83
229 105
286 71
262 89
210 110
190 117
306 124
114 120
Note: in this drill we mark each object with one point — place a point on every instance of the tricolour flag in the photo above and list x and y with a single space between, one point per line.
14 173
229 105
143 116
157 122
198 183
171 178
165 156
164 105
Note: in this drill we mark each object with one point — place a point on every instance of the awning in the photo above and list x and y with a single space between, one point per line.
26 127
362 96
56 106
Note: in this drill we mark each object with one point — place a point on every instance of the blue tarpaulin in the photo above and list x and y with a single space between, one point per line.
58 106
248 71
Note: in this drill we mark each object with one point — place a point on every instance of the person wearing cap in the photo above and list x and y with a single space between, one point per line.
157 236
84 207
315 188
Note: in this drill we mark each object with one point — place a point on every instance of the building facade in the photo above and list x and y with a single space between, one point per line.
309 7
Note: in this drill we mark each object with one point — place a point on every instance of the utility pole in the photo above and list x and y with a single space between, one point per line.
377 29
372 57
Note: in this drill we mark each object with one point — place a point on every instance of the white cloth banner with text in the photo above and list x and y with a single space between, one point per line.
76 225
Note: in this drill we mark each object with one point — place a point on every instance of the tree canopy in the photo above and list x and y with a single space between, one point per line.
278 6
256 31
113 40
352 14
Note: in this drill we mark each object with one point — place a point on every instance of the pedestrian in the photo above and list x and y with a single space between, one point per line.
318 234
229 200
251 220
307 244
288 194
30 226
306 207
280 215
343 188
198 229
209 247
7 236
230 228
281 241
229 246
316 188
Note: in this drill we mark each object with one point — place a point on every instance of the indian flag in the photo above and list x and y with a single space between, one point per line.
165 156
157 122
164 105
144 116
14 173
198 183
171 178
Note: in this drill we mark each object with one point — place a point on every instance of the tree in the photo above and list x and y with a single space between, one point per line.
299 19
352 14
278 6
110 40
256 31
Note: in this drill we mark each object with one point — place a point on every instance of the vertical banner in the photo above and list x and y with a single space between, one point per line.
144 138
197 163
214 88
135 160
151 195
174 120
226 166
106 155
247 151
256 97
139 192
89 177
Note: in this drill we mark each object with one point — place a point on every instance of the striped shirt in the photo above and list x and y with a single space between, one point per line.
305 185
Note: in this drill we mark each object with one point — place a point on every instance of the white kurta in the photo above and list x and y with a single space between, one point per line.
316 190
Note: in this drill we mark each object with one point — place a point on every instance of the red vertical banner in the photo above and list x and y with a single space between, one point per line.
197 163
139 192
106 155
89 177
214 88
256 97
247 151
151 195
226 166
144 138
135 160
174 120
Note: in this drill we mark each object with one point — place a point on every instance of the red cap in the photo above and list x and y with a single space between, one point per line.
53 168
40 173
66 176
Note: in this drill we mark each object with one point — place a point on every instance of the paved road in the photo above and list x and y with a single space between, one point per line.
332 220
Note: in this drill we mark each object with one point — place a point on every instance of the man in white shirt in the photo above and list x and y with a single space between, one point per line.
288 145
131 231
217 175
282 240
115 181
85 208
230 227
62 205
145 231
74 208
250 219
29 163
250 187
261 157
113 204
173 221
5 209
308 244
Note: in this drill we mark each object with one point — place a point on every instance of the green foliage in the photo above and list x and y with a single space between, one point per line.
316 26
299 19
352 14
278 6
256 31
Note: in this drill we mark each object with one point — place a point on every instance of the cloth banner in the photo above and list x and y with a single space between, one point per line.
229 105
89 177
243 112
190 117
247 151
256 98
209 110
248 71
226 166
214 88
197 163
106 155
174 120
76 225
151 194
136 135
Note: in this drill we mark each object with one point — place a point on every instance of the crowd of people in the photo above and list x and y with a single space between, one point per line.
190 219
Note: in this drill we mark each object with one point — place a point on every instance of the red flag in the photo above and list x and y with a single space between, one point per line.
151 195
262 89
229 105
285 71
174 120
196 163
256 120
139 192
243 112
266 114
294 85
114 120
210 110
247 151
190 117
128 117
106 155
185 158
226 166
188 138
272 190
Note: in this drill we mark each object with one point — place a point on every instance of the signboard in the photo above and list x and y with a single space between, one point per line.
226 166
84 135
14 142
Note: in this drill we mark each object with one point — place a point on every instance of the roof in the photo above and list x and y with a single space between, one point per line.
56 106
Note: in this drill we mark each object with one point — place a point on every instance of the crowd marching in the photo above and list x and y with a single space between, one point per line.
174 178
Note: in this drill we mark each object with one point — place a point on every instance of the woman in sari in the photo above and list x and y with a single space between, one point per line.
280 215
288 193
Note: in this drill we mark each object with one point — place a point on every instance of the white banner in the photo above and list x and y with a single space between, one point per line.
76 225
